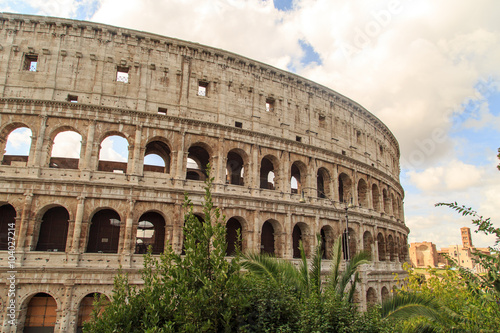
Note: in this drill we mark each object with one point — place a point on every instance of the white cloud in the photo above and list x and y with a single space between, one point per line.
113 149
67 144
19 142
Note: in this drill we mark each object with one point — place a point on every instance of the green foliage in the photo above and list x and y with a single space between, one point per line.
201 291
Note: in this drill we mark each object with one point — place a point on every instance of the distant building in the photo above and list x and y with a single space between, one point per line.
424 254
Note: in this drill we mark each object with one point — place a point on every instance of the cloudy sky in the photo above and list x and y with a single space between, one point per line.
429 69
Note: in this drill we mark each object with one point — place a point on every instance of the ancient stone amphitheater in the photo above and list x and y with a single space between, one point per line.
287 155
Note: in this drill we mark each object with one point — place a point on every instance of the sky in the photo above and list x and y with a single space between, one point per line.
429 69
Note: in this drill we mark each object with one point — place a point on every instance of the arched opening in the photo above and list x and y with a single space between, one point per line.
296 239
234 169
267 238
297 177
387 201
344 188
327 239
7 223
390 248
157 157
375 198
362 193
17 148
150 232
385 294
394 206
66 150
41 314
322 183
87 306
198 159
403 249
367 243
233 228
53 230
381 247
104 232
113 154
371 296
267 174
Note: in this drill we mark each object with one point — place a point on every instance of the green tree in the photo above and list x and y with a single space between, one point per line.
195 292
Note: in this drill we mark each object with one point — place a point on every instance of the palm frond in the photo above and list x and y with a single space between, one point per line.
404 306
335 266
304 269
271 268
315 272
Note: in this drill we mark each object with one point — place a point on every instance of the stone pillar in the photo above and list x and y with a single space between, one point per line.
66 324
39 141
87 164
181 158
137 158
286 238
128 227
335 176
219 161
77 231
253 172
25 217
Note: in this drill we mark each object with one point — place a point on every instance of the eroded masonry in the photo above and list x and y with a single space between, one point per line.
288 156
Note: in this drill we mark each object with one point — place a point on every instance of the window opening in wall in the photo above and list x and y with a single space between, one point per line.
122 74
381 149
66 149
269 105
73 98
113 154
17 147
30 62
238 124
343 152
162 111
298 138
202 88
322 121
358 137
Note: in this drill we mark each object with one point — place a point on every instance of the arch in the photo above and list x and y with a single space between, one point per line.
296 239
387 201
322 183
371 296
362 193
41 314
17 144
327 240
198 159
66 149
150 232
394 206
7 221
267 238
235 167
157 156
86 307
384 293
113 153
352 243
104 232
298 174
233 228
375 198
381 247
53 230
390 248
344 188
367 243
268 172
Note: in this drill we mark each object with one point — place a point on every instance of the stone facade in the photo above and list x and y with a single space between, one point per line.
78 220
423 255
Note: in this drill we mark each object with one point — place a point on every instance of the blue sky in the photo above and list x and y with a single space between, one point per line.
427 73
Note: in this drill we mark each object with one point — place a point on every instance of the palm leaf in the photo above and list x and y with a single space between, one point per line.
315 272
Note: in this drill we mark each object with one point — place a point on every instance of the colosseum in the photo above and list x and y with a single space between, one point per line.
291 159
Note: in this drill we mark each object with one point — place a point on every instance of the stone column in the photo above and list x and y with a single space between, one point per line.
128 227
89 146
65 315
77 231
21 246
39 141
137 158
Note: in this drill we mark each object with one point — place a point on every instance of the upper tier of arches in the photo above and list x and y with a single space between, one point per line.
109 68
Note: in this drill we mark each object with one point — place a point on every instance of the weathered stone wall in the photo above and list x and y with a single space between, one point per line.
335 149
